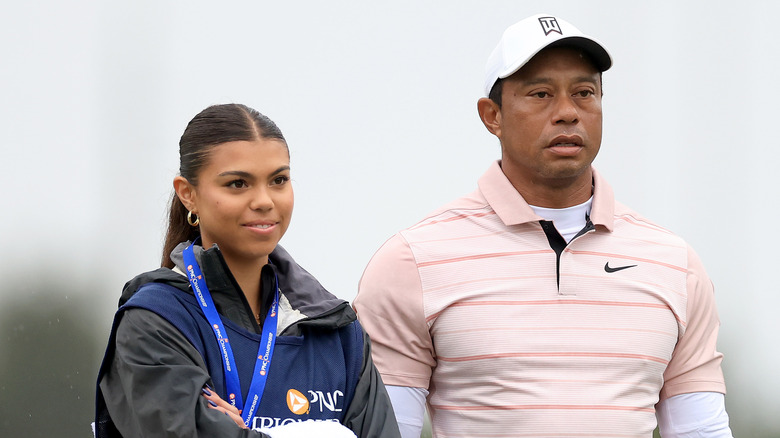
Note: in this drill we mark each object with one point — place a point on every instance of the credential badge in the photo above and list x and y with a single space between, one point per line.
549 24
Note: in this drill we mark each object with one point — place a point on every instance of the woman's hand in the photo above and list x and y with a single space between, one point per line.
324 429
215 402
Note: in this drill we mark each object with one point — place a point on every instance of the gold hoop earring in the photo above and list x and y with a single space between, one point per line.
195 222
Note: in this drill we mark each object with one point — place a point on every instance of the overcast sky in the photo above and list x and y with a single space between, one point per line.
378 104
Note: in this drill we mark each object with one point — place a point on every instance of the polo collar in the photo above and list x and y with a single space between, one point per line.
512 209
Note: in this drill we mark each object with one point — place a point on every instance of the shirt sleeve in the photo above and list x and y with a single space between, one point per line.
695 363
389 305
694 415
153 385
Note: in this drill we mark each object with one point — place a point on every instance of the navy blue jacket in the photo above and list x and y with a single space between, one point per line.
162 351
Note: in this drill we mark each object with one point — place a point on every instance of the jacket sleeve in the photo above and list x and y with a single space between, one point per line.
152 387
370 415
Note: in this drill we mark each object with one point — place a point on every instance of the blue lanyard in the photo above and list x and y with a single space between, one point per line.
264 353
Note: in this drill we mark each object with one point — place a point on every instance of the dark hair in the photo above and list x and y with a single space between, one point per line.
213 126
495 91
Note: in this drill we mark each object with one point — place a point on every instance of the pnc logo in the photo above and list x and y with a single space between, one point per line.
232 396
297 402
216 326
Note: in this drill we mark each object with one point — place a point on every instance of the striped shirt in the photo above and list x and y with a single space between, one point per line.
473 304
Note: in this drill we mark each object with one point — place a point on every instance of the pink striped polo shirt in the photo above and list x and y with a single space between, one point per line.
467 303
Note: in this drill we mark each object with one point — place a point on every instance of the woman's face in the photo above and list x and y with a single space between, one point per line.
244 199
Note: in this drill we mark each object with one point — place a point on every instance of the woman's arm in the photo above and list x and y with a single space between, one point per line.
153 387
370 415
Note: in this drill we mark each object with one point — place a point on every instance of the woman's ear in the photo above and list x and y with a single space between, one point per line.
186 193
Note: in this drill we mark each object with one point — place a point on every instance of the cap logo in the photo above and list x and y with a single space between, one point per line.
549 25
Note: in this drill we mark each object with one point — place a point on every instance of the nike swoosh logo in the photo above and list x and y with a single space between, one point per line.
619 268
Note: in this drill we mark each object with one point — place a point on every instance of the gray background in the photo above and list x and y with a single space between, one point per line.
378 103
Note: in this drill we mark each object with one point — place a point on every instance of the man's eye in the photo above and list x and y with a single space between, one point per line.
541 94
585 93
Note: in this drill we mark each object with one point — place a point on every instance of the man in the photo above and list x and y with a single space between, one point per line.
538 306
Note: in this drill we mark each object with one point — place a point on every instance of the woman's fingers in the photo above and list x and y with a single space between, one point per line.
214 397
216 402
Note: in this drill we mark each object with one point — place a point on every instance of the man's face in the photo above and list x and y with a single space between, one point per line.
549 123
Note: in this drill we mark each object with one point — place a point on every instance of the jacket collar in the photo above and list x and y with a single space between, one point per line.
302 292
302 299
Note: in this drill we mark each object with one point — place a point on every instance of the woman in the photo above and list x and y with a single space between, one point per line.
259 344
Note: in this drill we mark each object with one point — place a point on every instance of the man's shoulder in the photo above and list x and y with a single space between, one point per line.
471 201
629 222
451 220
465 209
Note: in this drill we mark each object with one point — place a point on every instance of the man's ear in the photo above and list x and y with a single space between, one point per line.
490 114
186 193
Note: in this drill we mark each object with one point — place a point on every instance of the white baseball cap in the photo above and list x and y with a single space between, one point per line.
524 39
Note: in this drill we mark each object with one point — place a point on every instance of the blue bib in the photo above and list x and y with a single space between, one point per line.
312 376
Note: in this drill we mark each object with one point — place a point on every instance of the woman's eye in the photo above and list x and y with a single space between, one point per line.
281 179
237 184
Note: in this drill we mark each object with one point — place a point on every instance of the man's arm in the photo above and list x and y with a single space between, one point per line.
389 305
409 406
390 308
695 362
691 400
694 415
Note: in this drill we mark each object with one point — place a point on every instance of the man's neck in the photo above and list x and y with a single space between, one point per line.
558 193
